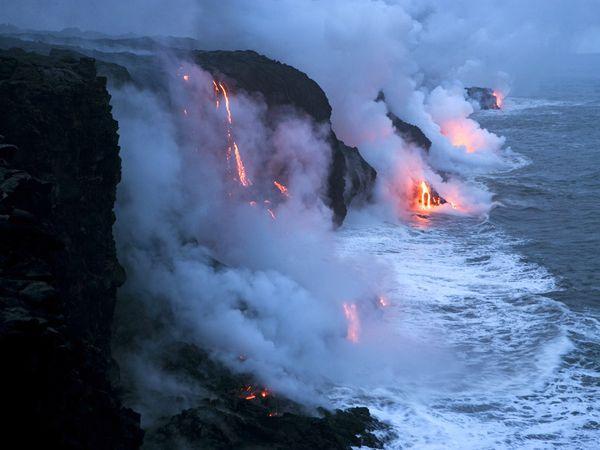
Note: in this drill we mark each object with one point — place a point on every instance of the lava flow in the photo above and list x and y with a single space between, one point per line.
427 197
242 177
351 313
282 188
499 98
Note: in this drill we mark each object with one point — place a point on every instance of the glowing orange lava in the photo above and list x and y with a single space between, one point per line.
240 167
425 202
499 98
232 145
426 198
351 313
282 188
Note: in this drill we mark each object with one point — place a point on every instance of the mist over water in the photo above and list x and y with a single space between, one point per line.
514 299
491 335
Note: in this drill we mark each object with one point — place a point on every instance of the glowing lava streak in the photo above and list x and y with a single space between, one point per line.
241 169
499 98
351 314
281 188
222 86
425 202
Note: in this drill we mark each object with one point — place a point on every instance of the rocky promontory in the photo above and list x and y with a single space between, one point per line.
59 274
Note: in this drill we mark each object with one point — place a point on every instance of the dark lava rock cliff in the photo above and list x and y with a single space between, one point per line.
484 97
59 167
350 176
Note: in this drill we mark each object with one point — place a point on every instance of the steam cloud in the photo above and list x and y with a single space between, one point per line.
217 271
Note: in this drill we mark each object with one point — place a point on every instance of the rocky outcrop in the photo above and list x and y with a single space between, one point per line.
351 178
484 97
408 132
226 417
59 167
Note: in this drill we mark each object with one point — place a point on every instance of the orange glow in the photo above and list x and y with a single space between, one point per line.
426 198
264 393
186 77
250 397
499 98
224 90
232 145
273 414
282 188
425 202
461 134
351 313
240 167
383 302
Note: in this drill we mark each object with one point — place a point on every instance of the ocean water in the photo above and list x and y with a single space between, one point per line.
513 299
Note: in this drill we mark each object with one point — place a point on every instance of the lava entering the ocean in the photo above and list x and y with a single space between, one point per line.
427 197
499 98
351 313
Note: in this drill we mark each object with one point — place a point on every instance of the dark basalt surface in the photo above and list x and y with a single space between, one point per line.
223 419
483 96
59 167
407 131
351 178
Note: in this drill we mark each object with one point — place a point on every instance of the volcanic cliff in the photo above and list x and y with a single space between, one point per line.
59 168
59 274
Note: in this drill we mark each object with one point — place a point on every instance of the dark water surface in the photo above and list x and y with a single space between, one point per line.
554 202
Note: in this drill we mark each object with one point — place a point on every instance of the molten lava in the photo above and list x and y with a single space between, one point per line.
425 201
351 313
240 167
232 146
427 197
282 188
252 392
499 98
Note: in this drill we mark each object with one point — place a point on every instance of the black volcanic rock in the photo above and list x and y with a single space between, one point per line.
407 131
483 96
58 267
410 133
351 178
246 425
224 419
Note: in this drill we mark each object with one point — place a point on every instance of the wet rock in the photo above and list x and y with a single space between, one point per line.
484 97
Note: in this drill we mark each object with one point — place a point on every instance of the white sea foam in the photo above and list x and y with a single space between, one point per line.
504 377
